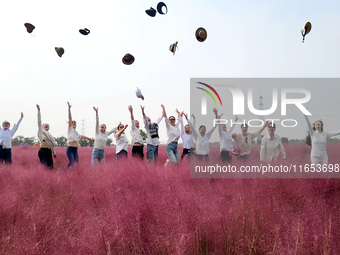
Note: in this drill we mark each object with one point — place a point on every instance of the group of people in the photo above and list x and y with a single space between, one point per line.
195 143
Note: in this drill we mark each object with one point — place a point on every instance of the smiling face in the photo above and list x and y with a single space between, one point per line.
6 125
244 129
137 123
74 124
224 127
187 129
172 120
318 125
46 126
102 128
202 130
271 128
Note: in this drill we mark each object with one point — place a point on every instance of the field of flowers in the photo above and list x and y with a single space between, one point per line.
132 207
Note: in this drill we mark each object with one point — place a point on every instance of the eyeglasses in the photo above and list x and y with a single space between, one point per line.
121 126
171 119
5 123
271 127
74 122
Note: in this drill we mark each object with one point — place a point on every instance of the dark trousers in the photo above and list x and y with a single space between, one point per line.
5 155
185 153
137 152
45 156
225 156
72 155
202 157
121 155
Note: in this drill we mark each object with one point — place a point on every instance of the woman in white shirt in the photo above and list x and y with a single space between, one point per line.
72 139
271 146
47 143
122 142
98 153
317 138
173 133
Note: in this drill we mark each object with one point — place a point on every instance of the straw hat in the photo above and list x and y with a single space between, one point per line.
29 27
151 12
305 30
201 34
128 59
60 51
160 5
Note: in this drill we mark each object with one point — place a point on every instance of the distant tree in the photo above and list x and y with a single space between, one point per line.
143 134
29 140
284 140
61 141
86 143
16 141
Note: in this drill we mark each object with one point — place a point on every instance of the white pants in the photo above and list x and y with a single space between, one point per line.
319 160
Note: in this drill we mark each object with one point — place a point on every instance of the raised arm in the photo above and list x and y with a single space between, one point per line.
69 115
164 112
97 119
118 134
309 126
263 127
87 138
131 112
193 130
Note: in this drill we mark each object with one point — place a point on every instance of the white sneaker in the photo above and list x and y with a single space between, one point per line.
166 162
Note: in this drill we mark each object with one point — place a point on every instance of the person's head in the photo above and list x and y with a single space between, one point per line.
172 120
137 123
46 126
102 128
74 124
187 129
244 128
202 130
224 127
5 124
120 126
318 125
271 128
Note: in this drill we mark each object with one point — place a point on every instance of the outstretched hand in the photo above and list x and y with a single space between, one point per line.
69 106
22 115
38 107
95 109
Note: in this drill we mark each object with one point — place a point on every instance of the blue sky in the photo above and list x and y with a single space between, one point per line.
245 39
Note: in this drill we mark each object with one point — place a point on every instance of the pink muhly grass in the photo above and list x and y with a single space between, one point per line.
131 207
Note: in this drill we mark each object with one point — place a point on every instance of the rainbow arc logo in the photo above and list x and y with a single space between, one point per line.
209 93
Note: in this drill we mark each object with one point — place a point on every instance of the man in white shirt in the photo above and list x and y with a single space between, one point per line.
271 145
188 145
137 139
151 129
6 136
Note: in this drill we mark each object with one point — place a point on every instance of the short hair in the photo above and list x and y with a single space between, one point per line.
272 124
244 125
202 127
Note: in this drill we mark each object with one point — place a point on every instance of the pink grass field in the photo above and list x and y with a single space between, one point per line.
132 207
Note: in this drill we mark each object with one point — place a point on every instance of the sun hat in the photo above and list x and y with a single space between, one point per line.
151 12
305 30
60 51
84 31
201 34
128 59
173 47
29 27
160 5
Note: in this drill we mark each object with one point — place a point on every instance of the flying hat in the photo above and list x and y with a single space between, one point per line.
305 30
151 12
139 94
84 31
201 34
173 47
60 51
160 5
29 27
128 59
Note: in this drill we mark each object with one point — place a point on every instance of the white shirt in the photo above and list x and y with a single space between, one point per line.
101 138
152 141
186 138
73 135
244 143
319 140
44 135
122 143
135 133
202 142
172 132
225 138
270 149
6 135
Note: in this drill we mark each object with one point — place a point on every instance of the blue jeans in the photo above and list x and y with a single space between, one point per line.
152 153
172 152
72 155
98 155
